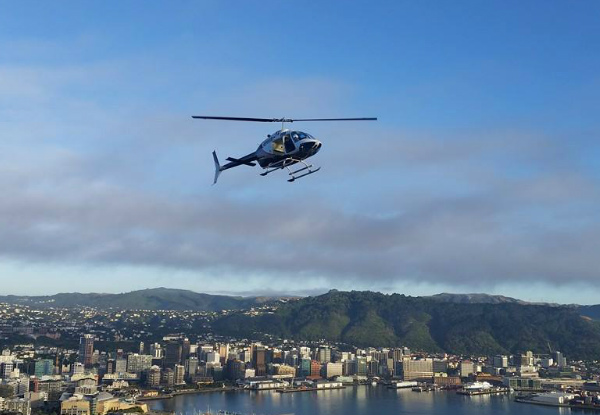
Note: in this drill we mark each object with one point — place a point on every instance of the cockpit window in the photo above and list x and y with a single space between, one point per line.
299 135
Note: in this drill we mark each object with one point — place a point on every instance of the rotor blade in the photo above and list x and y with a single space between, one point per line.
204 117
333 119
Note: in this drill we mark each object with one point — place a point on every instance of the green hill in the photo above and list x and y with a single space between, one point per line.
375 319
150 299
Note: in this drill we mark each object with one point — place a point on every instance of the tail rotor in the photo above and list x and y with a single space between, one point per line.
218 169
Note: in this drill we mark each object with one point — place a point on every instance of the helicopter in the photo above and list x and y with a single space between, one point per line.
280 150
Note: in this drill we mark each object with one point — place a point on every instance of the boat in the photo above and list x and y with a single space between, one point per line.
403 385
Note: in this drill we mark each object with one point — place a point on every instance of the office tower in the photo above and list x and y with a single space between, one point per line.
421 369
259 360
440 366
324 354
6 369
120 365
168 377
185 350
466 368
154 375
500 361
156 350
305 367
172 354
141 348
315 369
86 350
179 374
333 369
191 366
137 363
559 359
361 366
43 367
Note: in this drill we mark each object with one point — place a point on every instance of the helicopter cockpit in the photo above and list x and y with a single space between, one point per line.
285 142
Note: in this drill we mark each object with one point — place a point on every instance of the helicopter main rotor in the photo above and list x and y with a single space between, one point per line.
283 120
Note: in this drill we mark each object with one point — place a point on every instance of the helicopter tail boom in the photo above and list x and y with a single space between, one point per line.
248 160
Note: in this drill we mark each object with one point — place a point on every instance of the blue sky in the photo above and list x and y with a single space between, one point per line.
481 174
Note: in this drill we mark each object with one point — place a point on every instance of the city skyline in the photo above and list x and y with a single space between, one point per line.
481 174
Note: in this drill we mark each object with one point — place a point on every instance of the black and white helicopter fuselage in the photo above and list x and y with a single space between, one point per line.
280 150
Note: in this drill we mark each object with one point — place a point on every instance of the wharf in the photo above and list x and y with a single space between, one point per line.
490 391
292 390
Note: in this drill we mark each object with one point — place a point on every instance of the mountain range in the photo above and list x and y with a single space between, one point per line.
176 299
149 299
455 323
425 323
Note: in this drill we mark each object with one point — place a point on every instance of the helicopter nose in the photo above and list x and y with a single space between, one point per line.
317 147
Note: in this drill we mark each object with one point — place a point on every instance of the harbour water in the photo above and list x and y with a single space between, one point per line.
359 400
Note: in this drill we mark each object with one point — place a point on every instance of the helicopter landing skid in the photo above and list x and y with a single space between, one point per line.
308 168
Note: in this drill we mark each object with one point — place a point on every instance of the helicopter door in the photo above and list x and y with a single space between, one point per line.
288 144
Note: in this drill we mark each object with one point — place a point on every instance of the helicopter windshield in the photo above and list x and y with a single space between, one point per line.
299 135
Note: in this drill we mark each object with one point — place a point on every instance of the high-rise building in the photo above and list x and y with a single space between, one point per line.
120 365
6 369
86 350
333 369
259 360
172 354
466 368
137 363
315 369
559 359
324 354
179 374
417 369
440 366
304 367
43 367
185 350
168 377
156 350
191 366
153 378
500 361
361 366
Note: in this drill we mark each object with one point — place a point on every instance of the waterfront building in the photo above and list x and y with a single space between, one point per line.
179 375
191 366
415 369
466 368
304 369
259 360
153 377
333 369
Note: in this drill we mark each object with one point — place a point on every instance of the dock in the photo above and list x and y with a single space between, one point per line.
476 392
